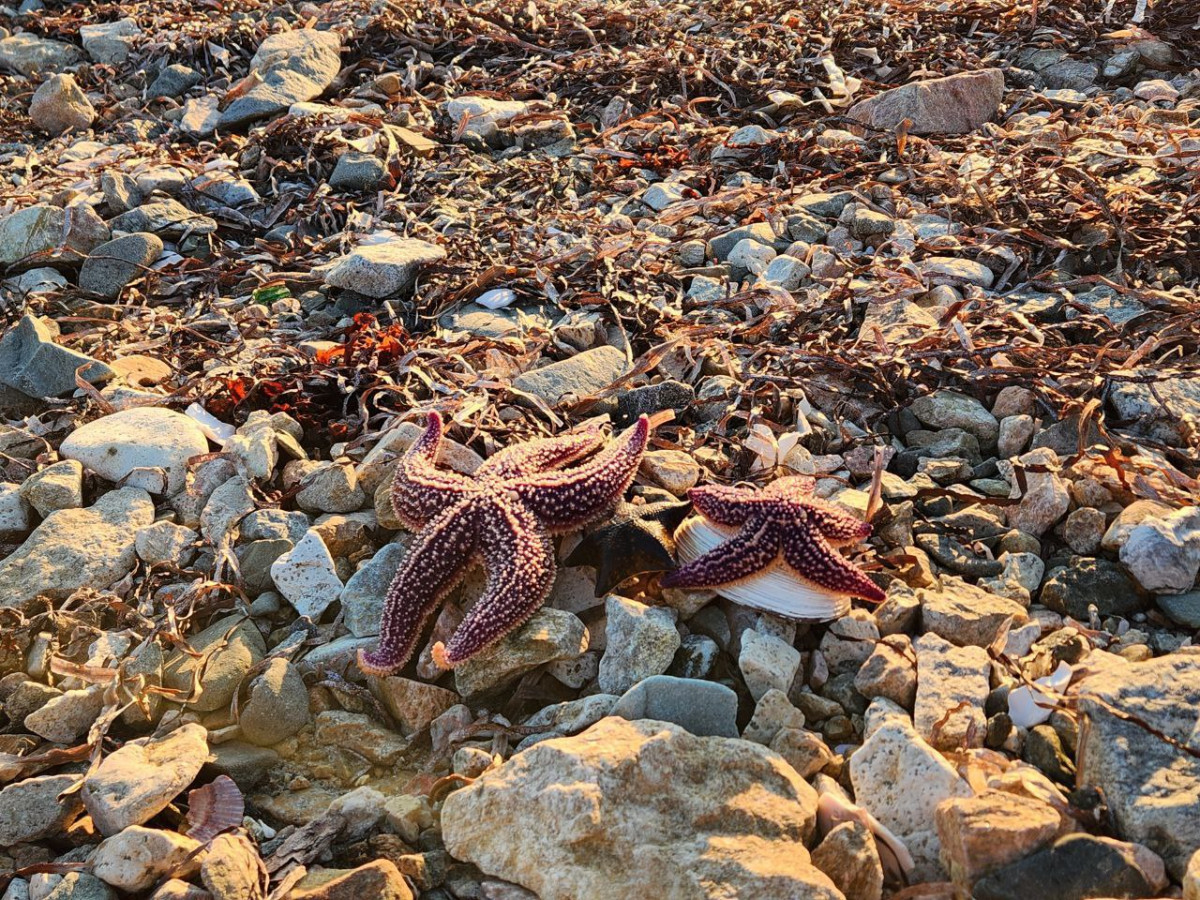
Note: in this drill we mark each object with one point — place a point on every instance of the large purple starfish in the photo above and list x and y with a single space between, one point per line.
784 522
503 516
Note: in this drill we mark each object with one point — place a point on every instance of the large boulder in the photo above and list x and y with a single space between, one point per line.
955 104
1139 744
116 445
641 809
292 66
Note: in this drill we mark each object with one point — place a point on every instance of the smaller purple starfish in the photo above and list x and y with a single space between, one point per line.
502 516
783 523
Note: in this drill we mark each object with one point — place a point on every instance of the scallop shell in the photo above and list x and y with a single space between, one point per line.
774 590
216 807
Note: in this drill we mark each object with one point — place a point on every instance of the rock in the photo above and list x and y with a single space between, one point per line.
619 790
246 764
331 488
573 716
952 687
292 66
136 782
673 470
849 641
15 519
276 706
751 255
1151 788
34 364
362 599
1015 434
27 54
224 652
231 869
166 542
704 708
225 507
414 704
1191 878
950 270
956 104
641 641
773 713
482 117
580 376
75 548
31 809
900 780
59 486
59 105
1163 554
307 577
549 635
803 749
1158 408
1129 518
67 717
113 265
947 409
1083 529
361 734
982 834
35 281
767 662
166 218
1071 589
1182 609
146 437
378 880
135 858
760 232
384 268
1075 867
174 81
80 886
1046 498
964 614
357 172
651 398
109 42
848 855
889 672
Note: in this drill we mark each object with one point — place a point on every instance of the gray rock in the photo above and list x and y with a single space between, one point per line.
109 43
223 653
548 636
80 886
640 641
76 548
34 364
1183 609
1158 409
1163 554
174 81
1071 589
573 716
357 171
59 105
293 66
767 662
889 672
384 268
331 487
245 763
955 104
276 706
113 265
704 708
166 542
362 599
67 717
578 377
30 809
113 446
720 247
1046 498
58 486
306 576
166 218
484 117
15 519
232 868
27 54
1075 867
35 281
136 782
43 233
947 409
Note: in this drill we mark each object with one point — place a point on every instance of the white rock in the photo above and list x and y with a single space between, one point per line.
384 268
952 687
1163 554
483 116
149 437
137 857
14 512
306 576
767 662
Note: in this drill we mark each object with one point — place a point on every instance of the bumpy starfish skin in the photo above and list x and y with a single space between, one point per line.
501 516
783 522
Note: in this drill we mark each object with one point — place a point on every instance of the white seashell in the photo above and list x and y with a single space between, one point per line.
496 298
214 429
775 590
1027 706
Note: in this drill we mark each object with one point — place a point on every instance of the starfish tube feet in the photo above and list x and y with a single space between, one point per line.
420 490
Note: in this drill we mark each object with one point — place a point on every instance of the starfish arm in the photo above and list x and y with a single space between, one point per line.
730 506
751 550
570 499
542 455
811 557
837 526
431 569
797 488
519 558
420 489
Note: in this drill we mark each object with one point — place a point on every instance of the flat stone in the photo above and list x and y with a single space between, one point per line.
948 409
704 708
166 218
956 104
1075 867
964 614
364 594
307 577
383 268
952 687
414 704
30 809
114 264
357 171
147 437
582 375
174 81
483 117
378 880
548 636
27 54
34 364
360 734
661 811
292 67
1084 582
109 43
641 641
231 869
66 718
136 782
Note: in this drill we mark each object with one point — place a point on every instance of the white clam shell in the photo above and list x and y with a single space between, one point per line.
775 590
1027 706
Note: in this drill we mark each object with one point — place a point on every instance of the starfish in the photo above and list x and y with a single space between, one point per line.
502 516
638 538
782 524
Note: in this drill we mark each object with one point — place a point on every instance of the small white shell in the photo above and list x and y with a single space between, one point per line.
1027 706
775 590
